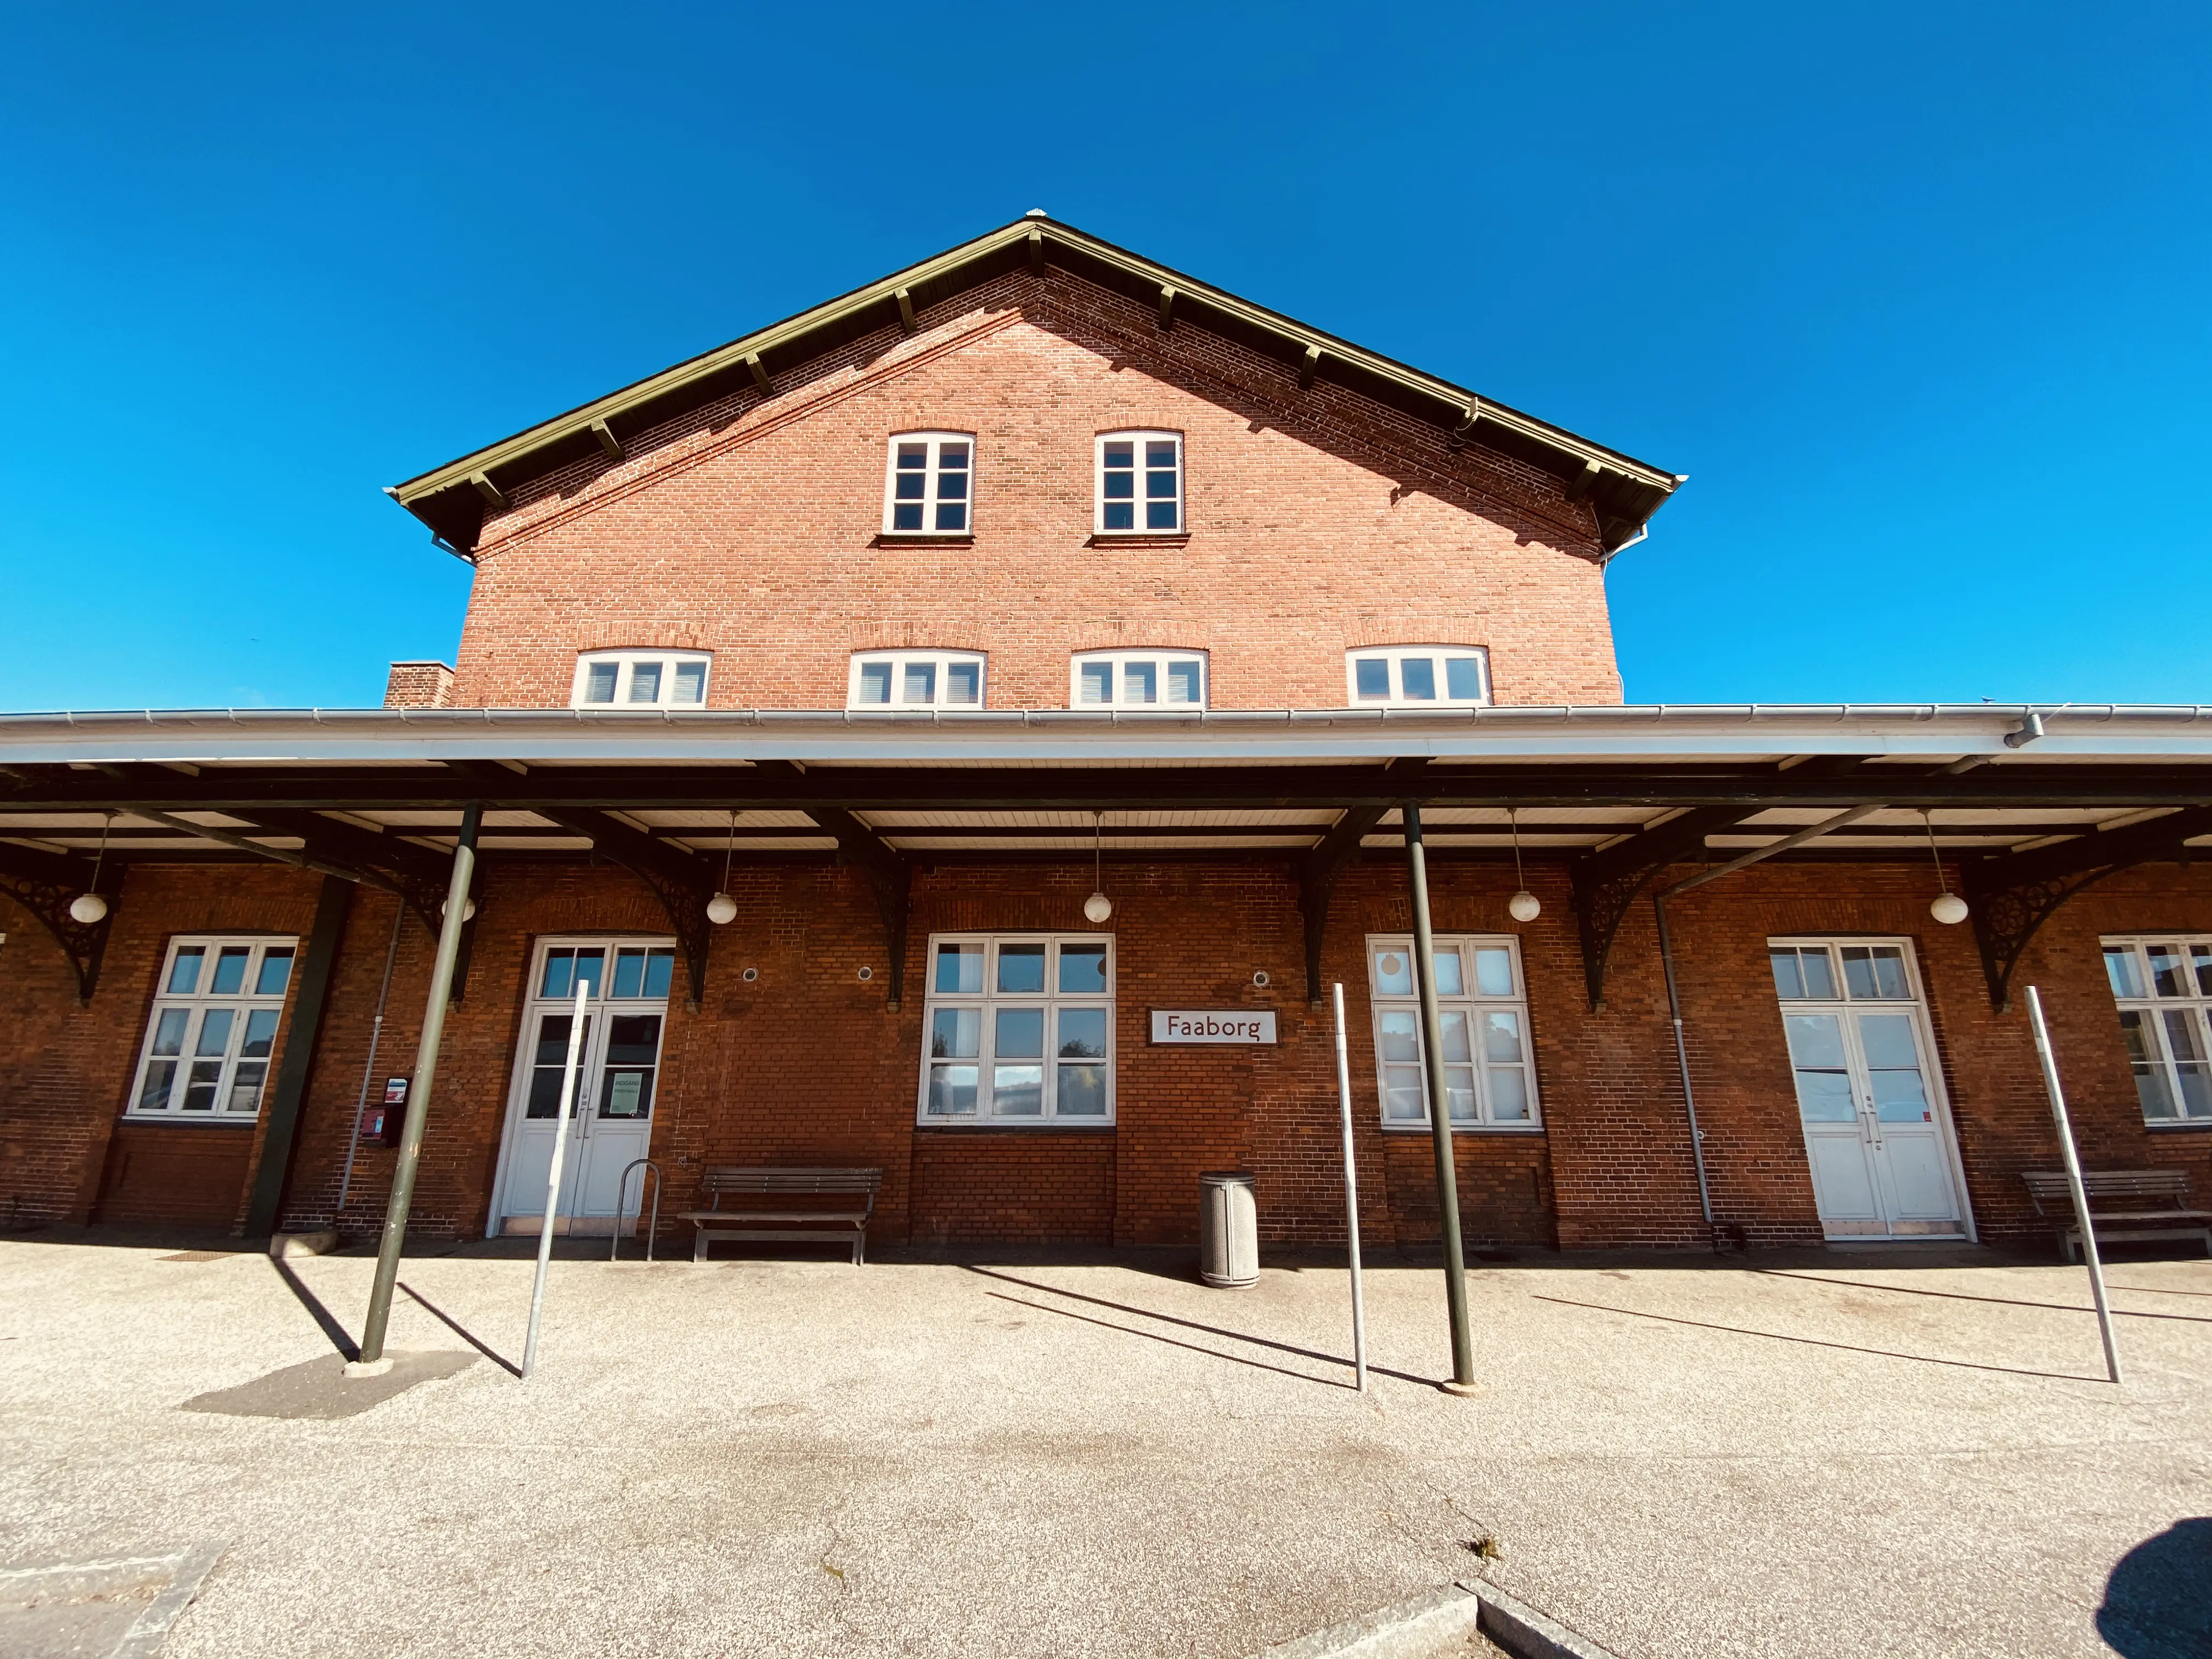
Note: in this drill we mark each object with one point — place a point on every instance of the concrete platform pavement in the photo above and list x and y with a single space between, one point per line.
1836 1453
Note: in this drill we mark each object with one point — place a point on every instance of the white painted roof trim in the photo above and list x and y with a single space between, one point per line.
1648 732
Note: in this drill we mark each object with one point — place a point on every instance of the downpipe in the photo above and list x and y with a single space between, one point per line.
1682 1060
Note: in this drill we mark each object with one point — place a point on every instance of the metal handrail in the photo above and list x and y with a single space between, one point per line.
622 1186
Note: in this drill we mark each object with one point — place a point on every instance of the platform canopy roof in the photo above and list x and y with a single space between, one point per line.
452 499
2030 804
943 787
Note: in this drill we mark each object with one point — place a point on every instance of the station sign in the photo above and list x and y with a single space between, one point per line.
1235 1025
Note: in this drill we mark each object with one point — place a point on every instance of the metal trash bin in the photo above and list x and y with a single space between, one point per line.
1228 1231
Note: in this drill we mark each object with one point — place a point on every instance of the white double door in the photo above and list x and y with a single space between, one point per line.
1877 1127
609 1122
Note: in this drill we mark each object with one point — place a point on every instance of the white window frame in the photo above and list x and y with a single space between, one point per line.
987 1003
934 475
1388 1007
1119 662
1140 438
941 662
2156 1025
178 1018
626 665
1439 655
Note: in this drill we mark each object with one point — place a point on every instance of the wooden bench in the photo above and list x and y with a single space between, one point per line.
814 1223
2165 1191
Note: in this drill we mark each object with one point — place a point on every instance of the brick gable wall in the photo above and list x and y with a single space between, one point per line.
1317 521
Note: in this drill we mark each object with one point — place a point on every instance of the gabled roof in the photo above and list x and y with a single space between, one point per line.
452 499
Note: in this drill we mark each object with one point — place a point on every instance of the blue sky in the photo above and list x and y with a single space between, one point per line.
1915 294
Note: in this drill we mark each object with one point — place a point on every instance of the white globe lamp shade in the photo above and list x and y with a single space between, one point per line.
1524 906
468 909
1948 909
88 907
721 910
1098 908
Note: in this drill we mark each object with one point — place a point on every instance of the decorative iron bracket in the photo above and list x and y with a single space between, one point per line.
2011 896
45 883
1606 884
681 882
1317 876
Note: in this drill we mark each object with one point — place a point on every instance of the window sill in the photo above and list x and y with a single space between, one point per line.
1008 1126
1467 1129
1139 538
2179 1125
179 1120
925 538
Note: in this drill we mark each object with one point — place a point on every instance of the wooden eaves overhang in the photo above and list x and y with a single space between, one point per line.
452 499
2030 805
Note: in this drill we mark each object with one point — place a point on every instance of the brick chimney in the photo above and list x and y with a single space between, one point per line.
419 685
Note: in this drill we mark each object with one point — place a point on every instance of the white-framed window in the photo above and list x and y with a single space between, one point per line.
2163 986
1418 676
641 679
212 1031
929 484
1018 1028
915 679
1140 483
1138 679
1482 1006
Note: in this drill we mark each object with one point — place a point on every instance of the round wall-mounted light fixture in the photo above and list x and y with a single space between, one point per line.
468 909
751 975
867 973
721 910
1261 979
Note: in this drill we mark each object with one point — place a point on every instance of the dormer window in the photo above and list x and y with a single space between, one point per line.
641 679
916 680
930 484
1140 483
1418 676
1139 679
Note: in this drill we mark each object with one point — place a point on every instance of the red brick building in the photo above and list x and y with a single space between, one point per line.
807 691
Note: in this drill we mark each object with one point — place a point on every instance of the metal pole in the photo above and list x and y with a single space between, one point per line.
1682 1060
2089 1256
418 1101
369 1067
1351 1195
1432 1053
553 1177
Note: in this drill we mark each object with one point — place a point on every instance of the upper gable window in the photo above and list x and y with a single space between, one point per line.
1138 679
915 679
1418 676
1140 483
641 679
929 484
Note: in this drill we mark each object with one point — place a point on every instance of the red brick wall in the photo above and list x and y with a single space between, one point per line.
65 1076
1013 1187
181 1176
805 1064
1318 521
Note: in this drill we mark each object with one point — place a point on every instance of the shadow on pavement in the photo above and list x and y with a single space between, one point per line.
459 1330
1194 1325
1962 1296
1815 1342
2157 1602
339 1337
